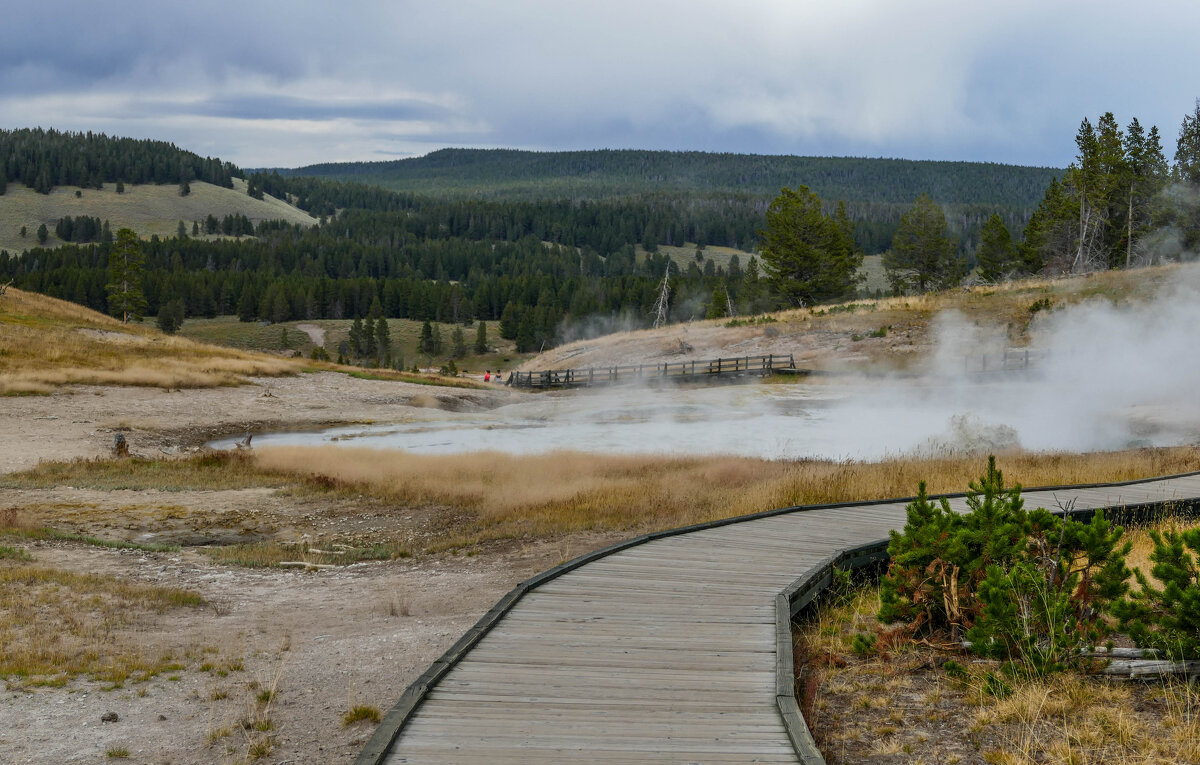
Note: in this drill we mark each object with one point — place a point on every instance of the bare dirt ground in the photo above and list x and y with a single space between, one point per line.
81 422
324 640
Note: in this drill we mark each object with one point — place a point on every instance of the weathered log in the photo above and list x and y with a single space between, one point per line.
1140 668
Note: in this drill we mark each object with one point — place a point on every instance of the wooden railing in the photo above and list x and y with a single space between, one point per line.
1011 360
738 366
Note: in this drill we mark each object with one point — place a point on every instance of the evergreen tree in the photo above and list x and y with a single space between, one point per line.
481 342
425 342
125 267
1167 617
997 255
170 316
809 256
383 342
1187 149
509 321
922 257
718 305
458 342
357 345
42 234
370 346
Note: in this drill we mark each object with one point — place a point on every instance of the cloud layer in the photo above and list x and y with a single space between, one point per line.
289 83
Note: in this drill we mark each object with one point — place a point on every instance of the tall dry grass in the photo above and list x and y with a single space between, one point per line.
46 343
499 496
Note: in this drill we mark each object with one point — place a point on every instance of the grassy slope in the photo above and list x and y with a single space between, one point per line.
833 335
46 342
146 209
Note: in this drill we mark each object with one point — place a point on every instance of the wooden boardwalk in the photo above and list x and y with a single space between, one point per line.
663 650
666 371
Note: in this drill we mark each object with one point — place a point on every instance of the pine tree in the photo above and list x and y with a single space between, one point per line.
425 343
809 256
356 338
922 257
458 342
718 305
170 316
997 254
481 342
126 264
1187 149
383 341
1167 617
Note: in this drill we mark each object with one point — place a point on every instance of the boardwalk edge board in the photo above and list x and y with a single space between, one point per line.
795 597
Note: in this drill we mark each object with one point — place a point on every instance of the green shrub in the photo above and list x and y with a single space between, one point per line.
1018 585
1168 618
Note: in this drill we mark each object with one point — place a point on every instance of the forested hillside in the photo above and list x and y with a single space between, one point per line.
42 159
510 174
693 189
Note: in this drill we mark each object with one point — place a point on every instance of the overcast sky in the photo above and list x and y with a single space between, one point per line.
291 82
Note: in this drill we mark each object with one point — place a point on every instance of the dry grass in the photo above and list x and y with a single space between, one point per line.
47 343
209 471
500 496
360 712
56 625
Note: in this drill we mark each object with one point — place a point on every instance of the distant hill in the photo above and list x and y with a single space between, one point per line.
147 209
511 174
42 159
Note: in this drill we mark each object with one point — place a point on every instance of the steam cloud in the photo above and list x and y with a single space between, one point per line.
1114 377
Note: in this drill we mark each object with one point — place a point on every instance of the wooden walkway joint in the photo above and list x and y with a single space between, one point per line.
672 647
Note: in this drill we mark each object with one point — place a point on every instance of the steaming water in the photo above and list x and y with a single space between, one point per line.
854 420
1116 376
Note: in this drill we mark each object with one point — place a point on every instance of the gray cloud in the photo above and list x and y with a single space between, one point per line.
289 83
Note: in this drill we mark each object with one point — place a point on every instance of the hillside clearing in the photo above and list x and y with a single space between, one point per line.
147 209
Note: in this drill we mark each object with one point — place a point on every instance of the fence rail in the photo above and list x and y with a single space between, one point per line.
738 366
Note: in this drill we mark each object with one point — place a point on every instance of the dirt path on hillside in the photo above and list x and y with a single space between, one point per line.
315 333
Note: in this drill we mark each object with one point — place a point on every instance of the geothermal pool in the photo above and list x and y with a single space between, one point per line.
856 419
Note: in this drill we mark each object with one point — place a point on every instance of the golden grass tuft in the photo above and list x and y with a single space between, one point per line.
360 712
47 343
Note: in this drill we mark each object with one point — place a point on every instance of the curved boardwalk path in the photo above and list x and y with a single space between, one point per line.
663 651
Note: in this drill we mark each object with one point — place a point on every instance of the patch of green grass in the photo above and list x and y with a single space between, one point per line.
14 553
444 382
117 753
275 554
